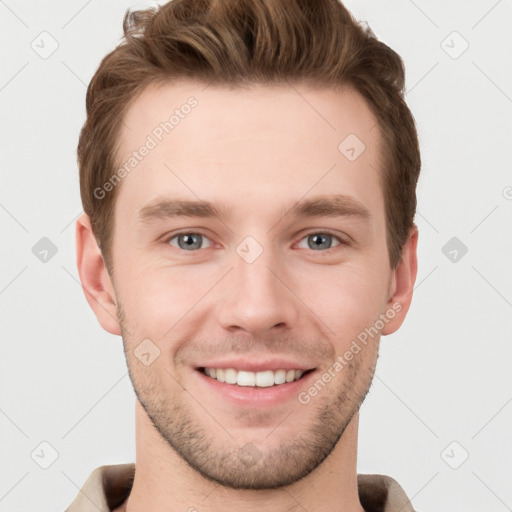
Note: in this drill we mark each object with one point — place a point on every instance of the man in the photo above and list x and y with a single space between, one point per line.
248 173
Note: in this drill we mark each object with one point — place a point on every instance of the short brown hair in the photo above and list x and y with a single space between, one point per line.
240 42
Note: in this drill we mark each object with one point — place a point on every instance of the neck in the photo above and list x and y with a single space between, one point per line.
165 482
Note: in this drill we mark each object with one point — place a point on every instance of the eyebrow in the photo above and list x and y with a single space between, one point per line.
337 205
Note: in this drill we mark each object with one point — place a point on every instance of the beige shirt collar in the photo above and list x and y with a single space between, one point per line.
109 486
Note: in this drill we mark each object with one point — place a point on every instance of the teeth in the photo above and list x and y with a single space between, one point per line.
265 379
259 379
230 376
280 377
246 378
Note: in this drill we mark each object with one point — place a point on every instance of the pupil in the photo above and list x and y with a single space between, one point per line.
320 240
190 241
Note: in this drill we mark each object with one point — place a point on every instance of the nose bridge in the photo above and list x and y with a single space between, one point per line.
254 297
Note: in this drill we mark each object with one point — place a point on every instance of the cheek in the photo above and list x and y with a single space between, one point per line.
156 297
348 298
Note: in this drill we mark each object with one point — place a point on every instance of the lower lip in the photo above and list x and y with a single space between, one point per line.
248 395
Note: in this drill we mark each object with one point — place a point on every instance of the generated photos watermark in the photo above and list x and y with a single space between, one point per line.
152 140
344 359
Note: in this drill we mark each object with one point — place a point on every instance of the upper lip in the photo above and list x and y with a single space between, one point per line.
251 365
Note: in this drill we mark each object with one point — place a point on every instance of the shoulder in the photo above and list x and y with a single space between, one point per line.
382 493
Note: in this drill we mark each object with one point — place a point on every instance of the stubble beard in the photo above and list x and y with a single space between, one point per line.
237 464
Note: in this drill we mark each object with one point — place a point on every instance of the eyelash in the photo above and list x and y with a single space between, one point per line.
323 232
342 242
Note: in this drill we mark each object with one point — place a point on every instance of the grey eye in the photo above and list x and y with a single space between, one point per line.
318 241
188 241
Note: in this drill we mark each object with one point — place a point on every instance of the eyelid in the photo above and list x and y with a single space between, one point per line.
167 238
337 236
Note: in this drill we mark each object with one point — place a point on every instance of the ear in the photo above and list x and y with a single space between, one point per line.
96 283
402 283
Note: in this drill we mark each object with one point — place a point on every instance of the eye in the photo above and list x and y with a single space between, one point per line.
188 241
321 240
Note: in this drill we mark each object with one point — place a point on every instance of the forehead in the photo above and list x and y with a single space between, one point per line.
247 144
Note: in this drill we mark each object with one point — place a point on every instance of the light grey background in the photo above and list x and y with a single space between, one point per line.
442 390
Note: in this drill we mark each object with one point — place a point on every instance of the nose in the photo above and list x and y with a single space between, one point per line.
256 297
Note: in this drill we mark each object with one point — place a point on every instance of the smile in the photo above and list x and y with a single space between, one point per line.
263 379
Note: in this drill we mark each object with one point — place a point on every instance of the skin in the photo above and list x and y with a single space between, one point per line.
256 152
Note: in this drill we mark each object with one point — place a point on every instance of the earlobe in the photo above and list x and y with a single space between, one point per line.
94 277
402 284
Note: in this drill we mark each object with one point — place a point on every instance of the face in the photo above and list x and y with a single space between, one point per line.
249 248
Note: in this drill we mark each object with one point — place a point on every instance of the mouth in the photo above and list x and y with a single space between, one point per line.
260 379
